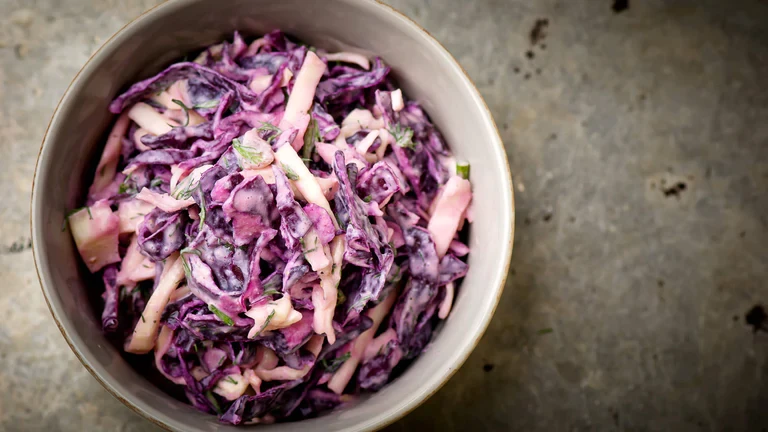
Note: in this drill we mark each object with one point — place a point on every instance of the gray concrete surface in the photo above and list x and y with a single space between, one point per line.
638 146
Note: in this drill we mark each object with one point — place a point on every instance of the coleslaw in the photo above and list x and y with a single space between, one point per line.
280 228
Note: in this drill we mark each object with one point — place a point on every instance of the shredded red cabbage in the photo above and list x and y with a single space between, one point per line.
278 229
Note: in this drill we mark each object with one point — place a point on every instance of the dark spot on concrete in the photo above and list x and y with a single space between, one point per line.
735 318
675 190
20 51
653 185
17 247
641 97
553 136
756 318
539 31
491 81
660 283
516 70
529 54
615 417
742 234
488 367
690 177
512 272
527 76
708 172
655 356
547 216
570 371
506 126
572 219
538 71
620 6
527 220
663 182
543 46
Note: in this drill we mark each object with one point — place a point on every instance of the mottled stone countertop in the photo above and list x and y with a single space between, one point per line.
638 140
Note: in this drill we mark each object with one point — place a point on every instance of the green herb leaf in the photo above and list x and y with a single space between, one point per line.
336 363
71 212
156 182
403 136
368 199
340 298
126 187
267 126
397 276
185 108
266 323
222 316
272 285
248 153
230 379
360 303
207 104
142 318
203 212
270 292
310 138
271 130
184 263
545 331
212 399
290 173
462 169
185 188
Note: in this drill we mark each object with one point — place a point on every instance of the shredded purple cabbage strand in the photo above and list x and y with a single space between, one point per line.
276 226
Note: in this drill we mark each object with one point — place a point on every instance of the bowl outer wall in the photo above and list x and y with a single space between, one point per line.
143 47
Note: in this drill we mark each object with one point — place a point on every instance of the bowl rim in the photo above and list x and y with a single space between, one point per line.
105 381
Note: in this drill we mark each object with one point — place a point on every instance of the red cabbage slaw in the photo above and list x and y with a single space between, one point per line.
277 225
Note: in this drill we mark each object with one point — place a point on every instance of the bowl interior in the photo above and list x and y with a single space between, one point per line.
426 73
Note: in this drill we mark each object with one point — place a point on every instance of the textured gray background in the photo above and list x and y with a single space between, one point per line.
644 292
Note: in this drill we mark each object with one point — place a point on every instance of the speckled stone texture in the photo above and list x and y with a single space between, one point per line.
637 142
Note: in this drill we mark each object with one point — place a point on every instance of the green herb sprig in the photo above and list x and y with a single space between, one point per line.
462 169
403 136
185 108
336 363
222 316
271 130
266 322
248 153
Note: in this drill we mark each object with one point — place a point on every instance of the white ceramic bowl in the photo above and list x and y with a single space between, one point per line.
426 72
